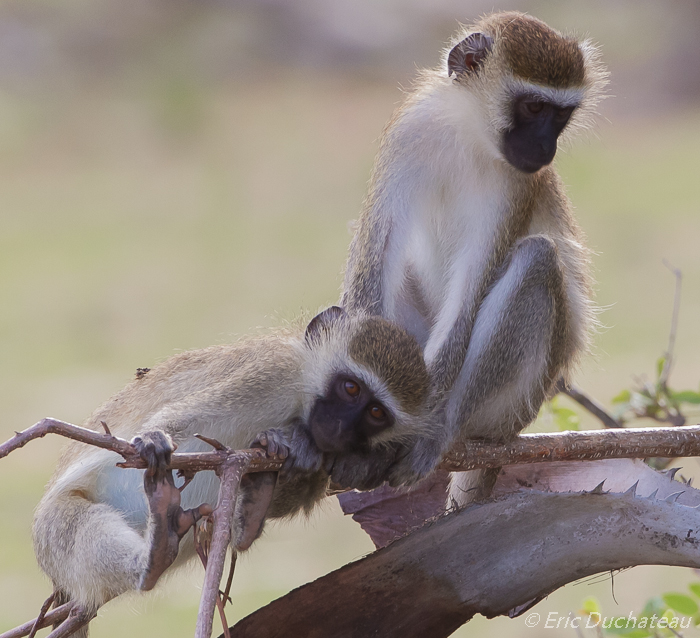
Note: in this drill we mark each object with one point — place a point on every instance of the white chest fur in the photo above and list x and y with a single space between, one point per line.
447 203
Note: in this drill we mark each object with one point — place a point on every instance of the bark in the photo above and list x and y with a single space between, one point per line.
490 559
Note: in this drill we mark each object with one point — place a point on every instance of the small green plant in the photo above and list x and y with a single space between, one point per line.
661 617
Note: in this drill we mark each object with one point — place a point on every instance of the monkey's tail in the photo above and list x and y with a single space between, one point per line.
463 488
469 487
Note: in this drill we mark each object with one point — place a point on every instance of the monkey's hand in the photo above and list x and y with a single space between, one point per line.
414 462
168 522
362 470
274 442
257 490
304 456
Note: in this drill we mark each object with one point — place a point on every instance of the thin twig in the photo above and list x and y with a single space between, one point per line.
668 359
54 616
226 594
202 548
77 618
55 426
42 612
230 475
195 462
625 443
590 404
527 448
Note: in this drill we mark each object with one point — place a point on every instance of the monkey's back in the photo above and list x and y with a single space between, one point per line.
244 380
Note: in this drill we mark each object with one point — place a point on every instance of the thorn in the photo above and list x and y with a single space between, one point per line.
18 433
632 491
672 498
104 425
217 445
652 496
689 482
598 489
671 473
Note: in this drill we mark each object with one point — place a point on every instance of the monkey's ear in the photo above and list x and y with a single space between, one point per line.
469 54
322 322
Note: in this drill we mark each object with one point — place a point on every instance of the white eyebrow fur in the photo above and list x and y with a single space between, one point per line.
562 97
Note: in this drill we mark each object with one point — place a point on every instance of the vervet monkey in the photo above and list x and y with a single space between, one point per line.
467 238
346 384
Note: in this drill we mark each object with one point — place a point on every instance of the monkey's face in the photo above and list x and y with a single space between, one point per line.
348 416
531 142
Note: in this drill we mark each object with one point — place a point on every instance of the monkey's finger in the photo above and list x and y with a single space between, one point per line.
187 518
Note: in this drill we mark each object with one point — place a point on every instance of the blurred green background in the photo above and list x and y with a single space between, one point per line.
174 174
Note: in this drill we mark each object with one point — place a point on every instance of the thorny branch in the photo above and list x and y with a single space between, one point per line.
231 465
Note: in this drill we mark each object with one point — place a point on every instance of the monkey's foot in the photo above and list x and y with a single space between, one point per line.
168 522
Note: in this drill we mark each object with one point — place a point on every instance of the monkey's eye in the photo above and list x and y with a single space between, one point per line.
351 388
532 107
377 413
562 115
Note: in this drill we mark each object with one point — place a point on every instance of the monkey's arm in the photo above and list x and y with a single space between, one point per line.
364 281
167 521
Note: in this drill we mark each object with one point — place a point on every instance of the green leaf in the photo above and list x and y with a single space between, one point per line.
681 603
628 633
623 397
590 606
687 396
566 419
653 606
660 366
695 588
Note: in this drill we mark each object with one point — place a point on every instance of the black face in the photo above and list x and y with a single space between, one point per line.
532 141
347 416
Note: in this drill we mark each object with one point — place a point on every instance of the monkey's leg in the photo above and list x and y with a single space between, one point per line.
256 492
517 348
87 548
516 352
167 522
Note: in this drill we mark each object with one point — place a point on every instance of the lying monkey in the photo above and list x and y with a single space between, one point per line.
345 385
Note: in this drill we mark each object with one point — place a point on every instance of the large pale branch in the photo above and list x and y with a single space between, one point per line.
387 514
489 559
